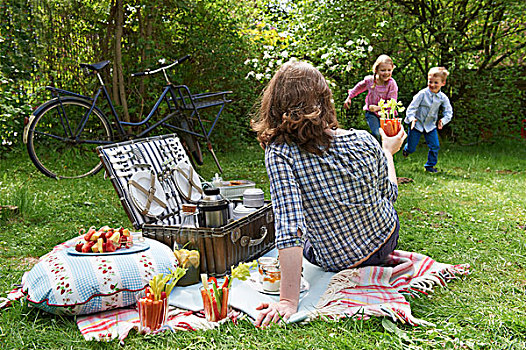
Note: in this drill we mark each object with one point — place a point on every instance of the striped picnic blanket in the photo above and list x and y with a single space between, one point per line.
108 325
382 290
362 292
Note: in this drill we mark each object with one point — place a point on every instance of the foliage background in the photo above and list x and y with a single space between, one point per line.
237 45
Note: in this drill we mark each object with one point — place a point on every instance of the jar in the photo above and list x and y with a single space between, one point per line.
189 221
217 181
186 250
242 211
253 198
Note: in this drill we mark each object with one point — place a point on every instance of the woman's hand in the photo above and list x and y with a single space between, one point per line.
440 125
275 312
290 260
393 144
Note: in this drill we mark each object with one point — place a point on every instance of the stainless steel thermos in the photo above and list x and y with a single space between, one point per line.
213 209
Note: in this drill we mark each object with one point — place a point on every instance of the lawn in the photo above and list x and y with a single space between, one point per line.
473 211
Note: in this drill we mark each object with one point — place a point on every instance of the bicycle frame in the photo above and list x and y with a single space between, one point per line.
169 90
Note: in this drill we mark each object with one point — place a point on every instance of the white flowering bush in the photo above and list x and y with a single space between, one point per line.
263 68
274 52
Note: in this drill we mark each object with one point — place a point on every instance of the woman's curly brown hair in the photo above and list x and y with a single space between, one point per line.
296 107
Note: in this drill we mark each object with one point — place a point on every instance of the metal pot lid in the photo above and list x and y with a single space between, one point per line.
210 202
212 197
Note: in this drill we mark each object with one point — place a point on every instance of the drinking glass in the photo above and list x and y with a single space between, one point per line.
391 126
215 311
152 314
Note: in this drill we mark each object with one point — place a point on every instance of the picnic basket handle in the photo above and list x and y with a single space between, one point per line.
246 241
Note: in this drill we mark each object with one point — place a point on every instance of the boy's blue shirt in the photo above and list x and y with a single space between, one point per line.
424 108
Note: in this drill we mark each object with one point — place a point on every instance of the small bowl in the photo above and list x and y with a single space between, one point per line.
242 211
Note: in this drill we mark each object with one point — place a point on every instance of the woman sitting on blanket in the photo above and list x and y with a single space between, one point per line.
332 190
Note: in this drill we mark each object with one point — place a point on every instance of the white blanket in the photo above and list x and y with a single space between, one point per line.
246 298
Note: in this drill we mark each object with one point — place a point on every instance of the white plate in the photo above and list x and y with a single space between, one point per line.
135 248
191 193
255 283
139 198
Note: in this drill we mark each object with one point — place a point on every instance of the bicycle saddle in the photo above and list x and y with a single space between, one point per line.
95 66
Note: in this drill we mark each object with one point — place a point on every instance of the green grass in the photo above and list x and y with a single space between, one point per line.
473 211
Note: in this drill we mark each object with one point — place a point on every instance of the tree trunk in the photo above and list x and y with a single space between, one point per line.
106 52
119 22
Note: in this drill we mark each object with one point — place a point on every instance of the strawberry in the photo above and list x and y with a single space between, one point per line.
79 246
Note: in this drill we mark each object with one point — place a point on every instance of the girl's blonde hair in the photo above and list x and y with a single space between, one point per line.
440 72
381 59
296 107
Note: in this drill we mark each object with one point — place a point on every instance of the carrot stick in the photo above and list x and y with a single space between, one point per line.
156 306
145 306
206 302
151 310
224 303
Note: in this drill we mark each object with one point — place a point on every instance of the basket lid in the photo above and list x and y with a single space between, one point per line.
137 160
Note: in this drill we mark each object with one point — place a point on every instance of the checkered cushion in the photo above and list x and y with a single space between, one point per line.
61 283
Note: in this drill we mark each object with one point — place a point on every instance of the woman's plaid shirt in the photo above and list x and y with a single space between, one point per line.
341 201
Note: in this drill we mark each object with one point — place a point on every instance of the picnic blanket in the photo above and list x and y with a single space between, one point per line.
117 323
382 290
362 292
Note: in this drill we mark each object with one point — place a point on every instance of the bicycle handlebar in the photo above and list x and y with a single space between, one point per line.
151 72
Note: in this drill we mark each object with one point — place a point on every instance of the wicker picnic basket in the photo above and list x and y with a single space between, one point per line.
137 168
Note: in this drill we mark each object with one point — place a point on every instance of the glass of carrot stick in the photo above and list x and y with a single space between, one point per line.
215 298
152 303
152 313
215 295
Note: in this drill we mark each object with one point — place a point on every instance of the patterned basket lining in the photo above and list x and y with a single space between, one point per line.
122 160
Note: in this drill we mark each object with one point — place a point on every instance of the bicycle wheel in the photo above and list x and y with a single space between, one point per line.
60 147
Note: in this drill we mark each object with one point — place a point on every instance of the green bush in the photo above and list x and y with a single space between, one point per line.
43 43
491 105
14 107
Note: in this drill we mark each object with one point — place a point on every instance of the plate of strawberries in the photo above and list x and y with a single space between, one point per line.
107 241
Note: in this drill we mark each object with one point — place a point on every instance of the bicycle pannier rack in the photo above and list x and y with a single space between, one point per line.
137 170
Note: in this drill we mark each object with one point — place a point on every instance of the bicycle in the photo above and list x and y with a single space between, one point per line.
63 133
